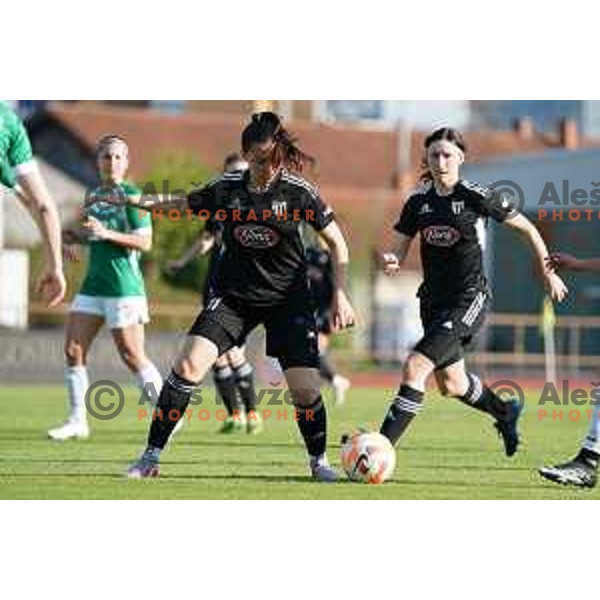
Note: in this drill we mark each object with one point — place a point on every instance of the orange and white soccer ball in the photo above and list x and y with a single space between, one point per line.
368 457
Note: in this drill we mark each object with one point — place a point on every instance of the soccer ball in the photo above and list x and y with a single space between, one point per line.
368 457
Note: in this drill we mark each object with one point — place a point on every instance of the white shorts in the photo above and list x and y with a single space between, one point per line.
117 312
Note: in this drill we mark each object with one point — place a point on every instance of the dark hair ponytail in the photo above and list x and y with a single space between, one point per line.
443 134
267 126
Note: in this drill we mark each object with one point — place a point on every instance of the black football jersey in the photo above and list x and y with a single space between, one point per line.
452 231
262 259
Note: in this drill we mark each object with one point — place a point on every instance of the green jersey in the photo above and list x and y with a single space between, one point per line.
16 157
114 271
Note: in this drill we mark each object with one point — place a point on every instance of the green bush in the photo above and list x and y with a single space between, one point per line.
176 173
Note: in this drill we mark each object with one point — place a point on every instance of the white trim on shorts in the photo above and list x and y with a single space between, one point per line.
117 312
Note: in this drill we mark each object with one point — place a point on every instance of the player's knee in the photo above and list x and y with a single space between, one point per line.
74 353
415 369
187 369
454 388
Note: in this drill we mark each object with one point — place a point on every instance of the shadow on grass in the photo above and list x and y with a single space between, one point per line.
285 479
165 478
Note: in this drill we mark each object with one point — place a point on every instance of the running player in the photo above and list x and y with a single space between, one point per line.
19 171
449 213
582 470
113 291
232 373
321 281
261 279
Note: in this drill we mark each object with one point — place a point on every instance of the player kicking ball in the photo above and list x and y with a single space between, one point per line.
261 279
450 214
582 470
232 373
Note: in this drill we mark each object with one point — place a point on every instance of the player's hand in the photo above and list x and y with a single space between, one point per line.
555 286
52 287
173 266
96 229
391 264
71 253
562 260
342 311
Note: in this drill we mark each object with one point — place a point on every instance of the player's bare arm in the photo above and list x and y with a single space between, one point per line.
343 313
131 241
554 285
562 260
34 196
201 246
156 201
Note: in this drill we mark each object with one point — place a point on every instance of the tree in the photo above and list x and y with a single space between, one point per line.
175 173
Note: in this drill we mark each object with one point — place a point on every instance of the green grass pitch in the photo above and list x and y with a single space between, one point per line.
450 452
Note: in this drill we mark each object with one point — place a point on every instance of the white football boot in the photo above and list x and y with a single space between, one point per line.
70 430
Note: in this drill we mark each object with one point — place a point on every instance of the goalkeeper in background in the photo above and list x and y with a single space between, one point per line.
19 172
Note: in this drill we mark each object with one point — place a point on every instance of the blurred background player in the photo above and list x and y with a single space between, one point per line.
19 172
321 280
113 291
449 214
261 279
232 372
582 470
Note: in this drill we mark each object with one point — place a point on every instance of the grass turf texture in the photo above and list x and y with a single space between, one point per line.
450 452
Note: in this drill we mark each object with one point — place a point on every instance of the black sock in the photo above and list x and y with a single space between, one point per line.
172 403
312 422
325 370
482 398
589 457
244 378
226 388
402 411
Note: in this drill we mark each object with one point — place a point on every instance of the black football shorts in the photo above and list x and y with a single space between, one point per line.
291 330
450 329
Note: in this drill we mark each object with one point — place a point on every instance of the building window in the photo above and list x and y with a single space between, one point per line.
352 110
172 107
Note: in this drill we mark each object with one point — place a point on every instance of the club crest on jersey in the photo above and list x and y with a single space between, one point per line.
443 236
279 207
458 207
256 236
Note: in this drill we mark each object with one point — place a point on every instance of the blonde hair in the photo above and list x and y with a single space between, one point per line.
106 140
